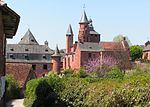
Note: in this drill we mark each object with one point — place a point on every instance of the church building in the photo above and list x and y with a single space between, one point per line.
90 46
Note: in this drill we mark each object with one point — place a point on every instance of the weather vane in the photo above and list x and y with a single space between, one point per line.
83 6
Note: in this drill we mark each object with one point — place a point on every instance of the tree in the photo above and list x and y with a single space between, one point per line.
120 37
136 52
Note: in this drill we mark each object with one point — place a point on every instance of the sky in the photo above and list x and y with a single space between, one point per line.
49 19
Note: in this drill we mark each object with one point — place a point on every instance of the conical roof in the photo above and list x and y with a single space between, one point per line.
57 53
28 39
69 31
84 18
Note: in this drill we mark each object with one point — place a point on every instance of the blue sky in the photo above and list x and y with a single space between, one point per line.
49 19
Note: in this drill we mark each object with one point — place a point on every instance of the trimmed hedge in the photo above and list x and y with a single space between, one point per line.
75 91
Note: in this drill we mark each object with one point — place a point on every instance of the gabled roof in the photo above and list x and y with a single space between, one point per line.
69 31
84 18
28 39
147 48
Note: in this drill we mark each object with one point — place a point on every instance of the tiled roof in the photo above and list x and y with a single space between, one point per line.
57 53
147 48
89 46
19 71
112 45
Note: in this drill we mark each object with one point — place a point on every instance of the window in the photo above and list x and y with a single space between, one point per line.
44 56
26 49
46 50
89 55
32 40
12 49
45 67
11 56
26 57
34 67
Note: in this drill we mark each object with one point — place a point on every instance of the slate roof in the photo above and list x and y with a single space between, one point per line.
19 71
84 18
102 46
10 20
69 31
39 49
57 53
90 47
28 39
147 48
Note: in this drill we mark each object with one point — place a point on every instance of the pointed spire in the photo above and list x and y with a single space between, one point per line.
69 31
84 18
57 53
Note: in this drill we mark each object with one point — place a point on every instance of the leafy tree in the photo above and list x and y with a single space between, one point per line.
120 37
136 52
12 88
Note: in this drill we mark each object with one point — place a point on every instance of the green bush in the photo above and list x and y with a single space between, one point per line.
74 90
115 73
12 88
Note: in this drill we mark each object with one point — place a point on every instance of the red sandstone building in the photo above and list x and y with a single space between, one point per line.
90 46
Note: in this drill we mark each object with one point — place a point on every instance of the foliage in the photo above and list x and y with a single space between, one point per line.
115 73
120 37
12 88
131 90
136 52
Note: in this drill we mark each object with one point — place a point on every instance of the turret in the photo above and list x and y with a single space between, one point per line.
83 31
69 39
56 60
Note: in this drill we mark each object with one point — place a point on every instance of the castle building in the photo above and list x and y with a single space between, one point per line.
29 51
146 51
9 21
89 46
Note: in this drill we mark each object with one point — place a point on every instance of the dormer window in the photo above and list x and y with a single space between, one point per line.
26 49
44 56
11 56
26 57
46 50
12 49
32 40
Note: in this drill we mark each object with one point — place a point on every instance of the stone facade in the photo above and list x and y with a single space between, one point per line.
89 46
29 51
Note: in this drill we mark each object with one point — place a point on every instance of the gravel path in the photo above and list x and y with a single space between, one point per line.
15 103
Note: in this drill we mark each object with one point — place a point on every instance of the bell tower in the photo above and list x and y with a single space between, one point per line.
83 30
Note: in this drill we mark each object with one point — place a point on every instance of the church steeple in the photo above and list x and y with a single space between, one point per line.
83 31
69 31
84 18
69 39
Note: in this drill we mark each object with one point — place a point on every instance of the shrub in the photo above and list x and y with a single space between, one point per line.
115 73
12 88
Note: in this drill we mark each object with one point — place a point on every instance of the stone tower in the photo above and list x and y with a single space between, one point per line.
83 31
56 60
69 39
